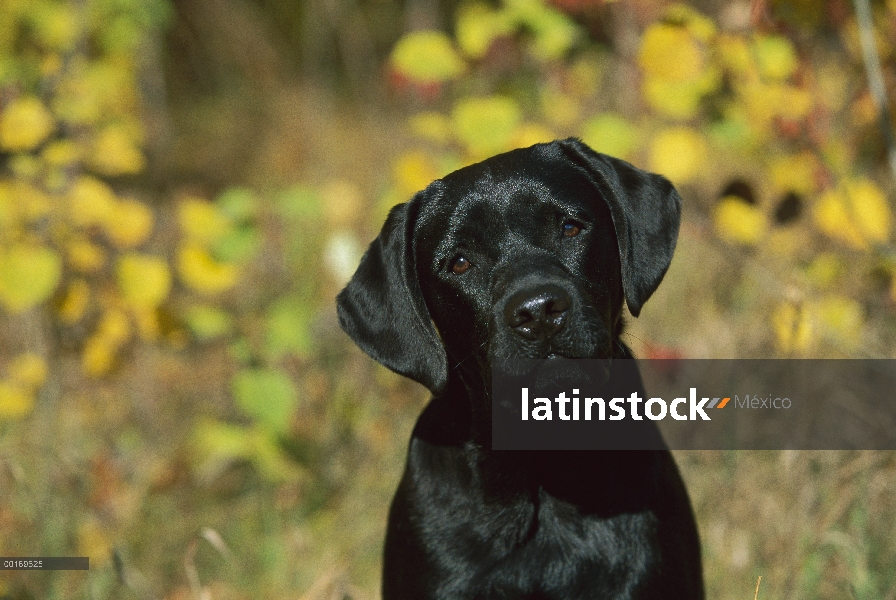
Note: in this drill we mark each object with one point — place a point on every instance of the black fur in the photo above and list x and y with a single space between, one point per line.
471 523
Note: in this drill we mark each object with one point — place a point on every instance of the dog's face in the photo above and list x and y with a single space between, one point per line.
519 264
528 254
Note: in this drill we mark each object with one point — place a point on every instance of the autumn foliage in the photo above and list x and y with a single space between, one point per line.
172 377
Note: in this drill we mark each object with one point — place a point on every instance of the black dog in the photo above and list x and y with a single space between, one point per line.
528 254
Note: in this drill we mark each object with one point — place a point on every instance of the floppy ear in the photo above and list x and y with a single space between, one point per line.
382 308
646 212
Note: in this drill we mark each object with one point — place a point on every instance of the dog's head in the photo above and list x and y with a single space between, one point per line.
528 254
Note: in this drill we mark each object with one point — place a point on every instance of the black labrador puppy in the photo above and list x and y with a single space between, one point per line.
528 254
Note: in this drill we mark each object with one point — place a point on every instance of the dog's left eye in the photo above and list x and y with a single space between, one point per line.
571 229
460 264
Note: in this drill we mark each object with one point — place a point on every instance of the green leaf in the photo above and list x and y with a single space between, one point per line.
486 125
611 134
237 203
28 276
270 459
208 322
267 395
238 245
555 34
218 444
287 326
217 441
299 203
427 57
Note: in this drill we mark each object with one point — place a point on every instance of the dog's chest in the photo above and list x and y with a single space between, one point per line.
560 550
531 545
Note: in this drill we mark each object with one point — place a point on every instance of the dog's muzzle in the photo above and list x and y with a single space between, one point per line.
537 313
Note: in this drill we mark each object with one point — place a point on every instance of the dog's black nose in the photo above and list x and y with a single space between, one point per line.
537 312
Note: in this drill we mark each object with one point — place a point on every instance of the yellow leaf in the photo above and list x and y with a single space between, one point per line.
842 320
413 171
734 53
114 327
739 222
130 223
795 173
147 322
671 52
855 213
478 26
91 202
98 356
679 99
832 217
28 370
486 125
25 166
31 202
75 302
15 402
431 126
427 57
84 256
793 327
765 101
201 221
24 124
529 134
28 276
775 56
795 103
700 26
202 272
9 213
116 152
61 153
679 153
144 280
870 210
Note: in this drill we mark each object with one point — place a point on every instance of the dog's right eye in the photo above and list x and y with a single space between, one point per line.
571 229
460 264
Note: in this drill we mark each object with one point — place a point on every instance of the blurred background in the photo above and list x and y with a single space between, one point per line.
186 184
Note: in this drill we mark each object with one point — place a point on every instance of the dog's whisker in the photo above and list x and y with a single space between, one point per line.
470 355
646 345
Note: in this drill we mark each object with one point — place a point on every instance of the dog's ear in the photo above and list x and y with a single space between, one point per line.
382 308
646 212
